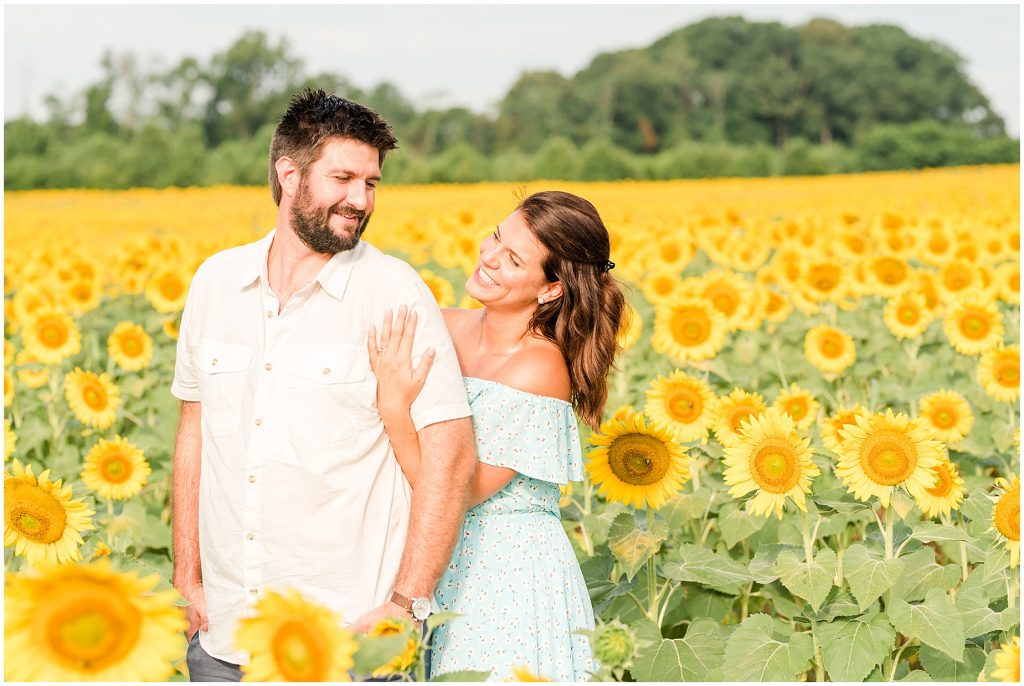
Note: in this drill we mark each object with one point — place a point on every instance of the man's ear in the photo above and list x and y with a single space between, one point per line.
288 175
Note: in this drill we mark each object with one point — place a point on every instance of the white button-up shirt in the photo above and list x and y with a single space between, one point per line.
299 487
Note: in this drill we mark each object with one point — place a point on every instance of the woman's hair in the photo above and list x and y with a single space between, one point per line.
584 321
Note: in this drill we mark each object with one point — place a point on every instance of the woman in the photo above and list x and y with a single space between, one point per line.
540 348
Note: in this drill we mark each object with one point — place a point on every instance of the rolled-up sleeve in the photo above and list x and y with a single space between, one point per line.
185 385
443 396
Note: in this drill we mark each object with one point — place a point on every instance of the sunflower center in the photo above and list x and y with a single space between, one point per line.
91 625
95 397
53 334
1007 515
35 514
945 482
691 326
663 285
1007 371
684 405
738 414
909 315
944 417
797 409
171 287
638 459
723 298
831 346
131 346
116 468
891 271
775 466
974 325
670 252
824 278
298 653
888 458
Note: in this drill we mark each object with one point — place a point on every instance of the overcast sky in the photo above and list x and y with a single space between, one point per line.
447 55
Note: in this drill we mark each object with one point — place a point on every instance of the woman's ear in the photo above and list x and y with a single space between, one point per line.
552 291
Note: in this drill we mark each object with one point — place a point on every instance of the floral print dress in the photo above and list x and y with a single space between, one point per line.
513 576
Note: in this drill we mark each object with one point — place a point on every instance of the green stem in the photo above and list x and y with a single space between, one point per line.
896 661
819 663
887 533
672 588
652 576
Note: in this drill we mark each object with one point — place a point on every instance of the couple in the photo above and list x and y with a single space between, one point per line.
332 418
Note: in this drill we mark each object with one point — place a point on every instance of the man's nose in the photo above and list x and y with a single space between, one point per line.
357 196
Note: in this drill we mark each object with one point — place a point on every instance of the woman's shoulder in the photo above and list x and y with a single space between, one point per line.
539 368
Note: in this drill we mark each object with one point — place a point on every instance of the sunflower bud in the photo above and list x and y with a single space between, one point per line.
614 645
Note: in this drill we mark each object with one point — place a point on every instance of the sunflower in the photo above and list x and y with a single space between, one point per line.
1007 282
946 494
41 520
83 295
948 414
829 349
624 413
389 626
958 276
115 470
1007 659
731 410
51 335
170 327
681 404
88 622
729 292
688 328
10 440
166 290
636 464
293 639
883 451
973 324
8 389
772 459
777 307
523 673
799 404
630 328
824 280
830 426
889 275
1006 515
93 398
999 373
440 287
31 371
8 353
907 315
130 346
661 284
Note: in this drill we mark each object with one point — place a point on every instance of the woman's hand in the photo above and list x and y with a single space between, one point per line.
398 382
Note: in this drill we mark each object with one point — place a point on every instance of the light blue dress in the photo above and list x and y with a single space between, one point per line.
513 575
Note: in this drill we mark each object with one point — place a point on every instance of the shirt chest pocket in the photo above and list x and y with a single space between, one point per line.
222 370
331 395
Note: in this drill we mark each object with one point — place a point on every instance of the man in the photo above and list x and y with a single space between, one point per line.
283 473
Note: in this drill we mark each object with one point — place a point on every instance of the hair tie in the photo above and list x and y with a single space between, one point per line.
608 266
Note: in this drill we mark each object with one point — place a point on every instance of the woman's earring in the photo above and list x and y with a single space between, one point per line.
540 301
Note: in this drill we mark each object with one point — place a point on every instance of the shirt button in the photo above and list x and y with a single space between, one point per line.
213 361
251 536
252 478
270 314
258 421
253 590
326 371
268 366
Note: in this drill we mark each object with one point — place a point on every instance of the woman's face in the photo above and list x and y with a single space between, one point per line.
509 270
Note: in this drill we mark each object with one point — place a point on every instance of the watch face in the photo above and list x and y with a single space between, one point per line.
421 608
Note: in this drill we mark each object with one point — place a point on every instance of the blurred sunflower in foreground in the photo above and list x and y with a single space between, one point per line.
41 520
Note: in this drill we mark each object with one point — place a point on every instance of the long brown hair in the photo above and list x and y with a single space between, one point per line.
585 320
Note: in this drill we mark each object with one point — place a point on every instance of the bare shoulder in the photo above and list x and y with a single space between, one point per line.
455 318
539 369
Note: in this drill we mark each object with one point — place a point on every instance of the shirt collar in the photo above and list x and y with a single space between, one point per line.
333 276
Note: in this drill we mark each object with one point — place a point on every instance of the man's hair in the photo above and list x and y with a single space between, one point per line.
313 117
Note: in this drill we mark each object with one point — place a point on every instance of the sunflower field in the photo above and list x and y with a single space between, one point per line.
808 468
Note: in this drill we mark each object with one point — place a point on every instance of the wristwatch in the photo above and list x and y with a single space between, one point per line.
417 607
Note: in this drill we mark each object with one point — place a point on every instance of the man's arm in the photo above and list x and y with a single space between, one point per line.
439 503
188 578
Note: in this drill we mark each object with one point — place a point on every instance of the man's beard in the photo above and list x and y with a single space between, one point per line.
311 224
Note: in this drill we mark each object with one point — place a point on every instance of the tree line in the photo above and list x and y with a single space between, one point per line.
720 97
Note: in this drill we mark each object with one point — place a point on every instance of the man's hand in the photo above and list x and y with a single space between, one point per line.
196 610
368 620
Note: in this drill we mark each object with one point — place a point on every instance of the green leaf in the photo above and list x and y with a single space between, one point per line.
977 506
685 508
926 532
737 525
941 668
762 565
704 566
842 605
376 651
978 618
690 658
934 622
438 618
852 648
868 575
811 581
753 653
463 675
916 675
633 546
921 574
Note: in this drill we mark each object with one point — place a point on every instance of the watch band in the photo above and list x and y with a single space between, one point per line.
401 601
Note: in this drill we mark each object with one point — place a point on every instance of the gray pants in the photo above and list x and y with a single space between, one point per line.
204 667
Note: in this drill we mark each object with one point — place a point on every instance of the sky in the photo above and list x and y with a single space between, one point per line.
447 55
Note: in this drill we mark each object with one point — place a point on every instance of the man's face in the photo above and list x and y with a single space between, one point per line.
336 195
